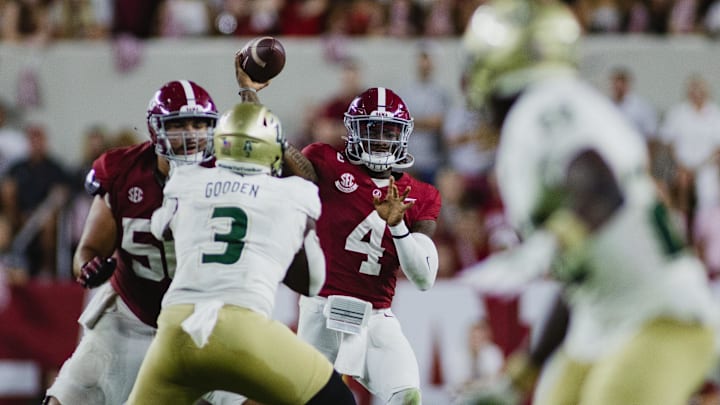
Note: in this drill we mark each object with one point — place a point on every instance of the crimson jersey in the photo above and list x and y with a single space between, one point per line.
359 250
129 177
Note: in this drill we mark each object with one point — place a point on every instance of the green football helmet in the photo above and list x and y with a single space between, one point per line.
249 140
512 43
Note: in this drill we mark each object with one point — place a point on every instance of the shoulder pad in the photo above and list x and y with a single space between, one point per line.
92 185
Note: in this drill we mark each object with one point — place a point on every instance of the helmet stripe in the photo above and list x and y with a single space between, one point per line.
382 97
189 93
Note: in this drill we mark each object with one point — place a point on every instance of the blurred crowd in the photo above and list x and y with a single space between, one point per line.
40 21
43 203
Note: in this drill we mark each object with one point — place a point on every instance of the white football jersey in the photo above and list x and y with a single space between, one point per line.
235 236
635 271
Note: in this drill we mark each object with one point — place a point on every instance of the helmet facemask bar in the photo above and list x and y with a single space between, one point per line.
378 142
182 146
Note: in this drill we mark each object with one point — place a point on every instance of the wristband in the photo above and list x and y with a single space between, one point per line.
399 231
242 89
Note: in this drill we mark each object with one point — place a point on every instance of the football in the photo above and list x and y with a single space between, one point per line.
262 58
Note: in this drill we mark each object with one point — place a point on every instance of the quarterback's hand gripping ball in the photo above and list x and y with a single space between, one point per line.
262 58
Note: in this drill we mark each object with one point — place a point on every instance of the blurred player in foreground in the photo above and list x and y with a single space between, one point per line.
120 321
574 178
237 228
376 220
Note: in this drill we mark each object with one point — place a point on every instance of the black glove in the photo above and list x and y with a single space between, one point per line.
96 271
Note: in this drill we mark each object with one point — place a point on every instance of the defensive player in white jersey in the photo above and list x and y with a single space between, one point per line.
574 178
237 227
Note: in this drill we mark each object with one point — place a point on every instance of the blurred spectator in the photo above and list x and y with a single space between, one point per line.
33 193
638 18
124 137
350 85
95 143
365 17
327 118
635 108
682 17
643 117
706 236
304 17
439 20
13 144
12 270
405 19
484 365
472 222
82 19
658 16
486 358
691 128
468 150
26 21
711 20
599 16
249 17
428 103
136 18
184 18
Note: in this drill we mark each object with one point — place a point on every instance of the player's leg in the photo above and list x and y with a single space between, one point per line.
393 373
164 377
311 327
104 365
334 392
561 381
665 363
266 361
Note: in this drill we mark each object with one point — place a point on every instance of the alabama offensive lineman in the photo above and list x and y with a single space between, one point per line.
119 322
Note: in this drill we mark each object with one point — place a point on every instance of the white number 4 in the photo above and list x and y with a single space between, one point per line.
374 225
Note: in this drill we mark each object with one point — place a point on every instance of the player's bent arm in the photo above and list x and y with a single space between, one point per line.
306 274
316 263
296 164
417 252
98 237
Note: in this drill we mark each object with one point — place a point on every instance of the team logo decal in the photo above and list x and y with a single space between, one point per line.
346 184
377 193
135 194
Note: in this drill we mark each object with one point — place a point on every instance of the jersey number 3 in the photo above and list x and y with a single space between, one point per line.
372 246
233 238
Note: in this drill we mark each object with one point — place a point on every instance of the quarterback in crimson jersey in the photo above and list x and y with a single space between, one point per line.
375 222
359 249
127 183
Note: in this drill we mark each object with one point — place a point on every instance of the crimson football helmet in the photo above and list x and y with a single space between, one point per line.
379 126
181 116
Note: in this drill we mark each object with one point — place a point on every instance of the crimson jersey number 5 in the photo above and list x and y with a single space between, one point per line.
372 247
152 259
